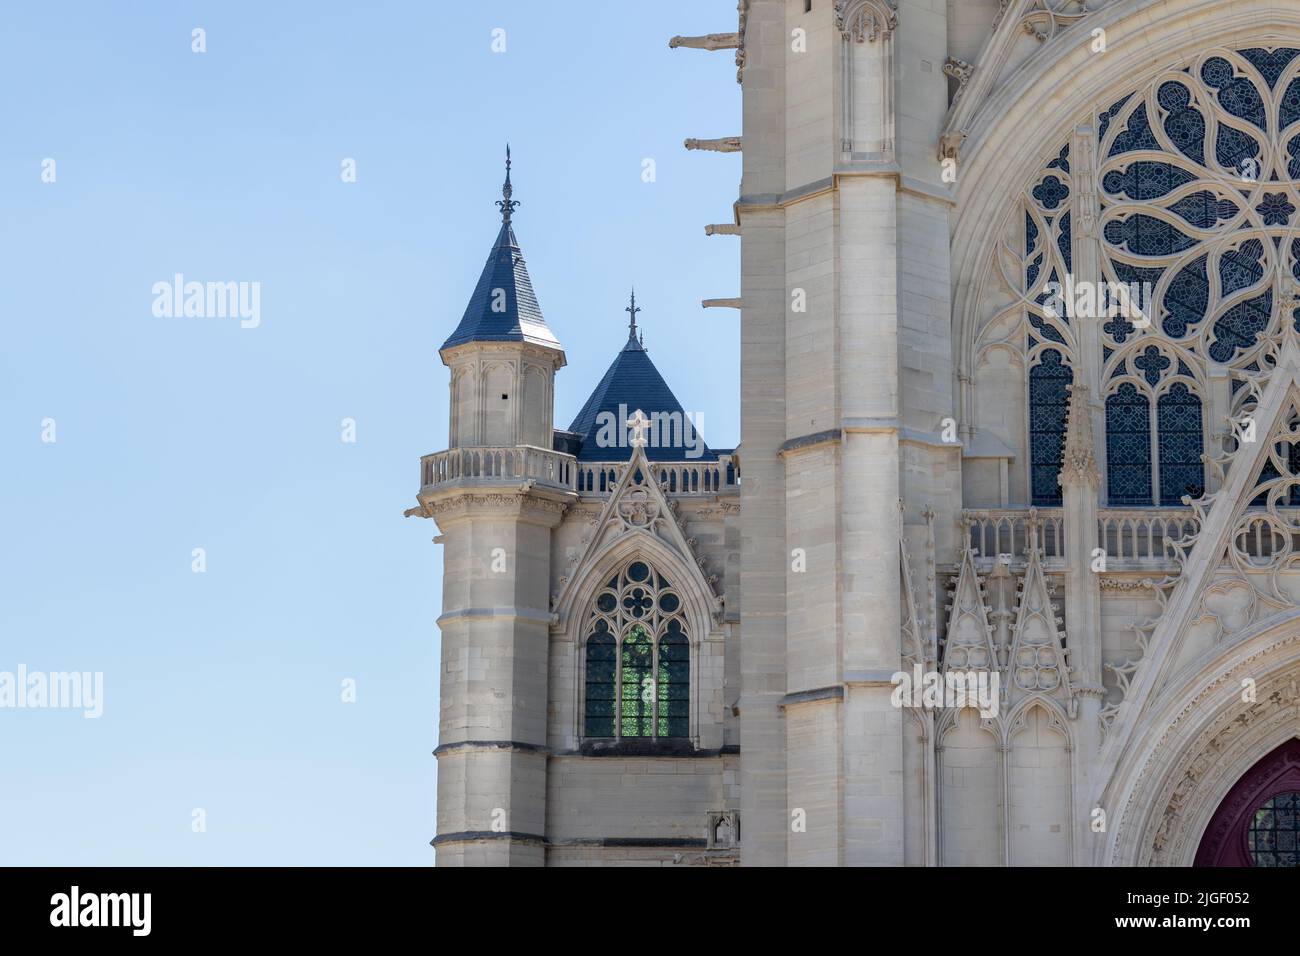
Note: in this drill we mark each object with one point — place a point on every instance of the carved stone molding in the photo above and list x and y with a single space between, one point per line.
724 144
1079 462
1233 738
503 502
960 71
742 10
1121 584
711 41
866 22
1219 698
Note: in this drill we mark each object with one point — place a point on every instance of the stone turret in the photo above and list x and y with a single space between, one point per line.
497 493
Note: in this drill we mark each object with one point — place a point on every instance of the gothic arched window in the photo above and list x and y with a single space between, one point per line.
1154 433
1047 258
1178 422
1273 837
1048 402
1189 190
1196 173
1128 446
638 660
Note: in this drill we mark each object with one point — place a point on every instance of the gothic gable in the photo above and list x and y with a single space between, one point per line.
639 517
969 644
1037 663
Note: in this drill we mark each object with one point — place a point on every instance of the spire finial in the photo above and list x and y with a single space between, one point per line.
632 310
505 203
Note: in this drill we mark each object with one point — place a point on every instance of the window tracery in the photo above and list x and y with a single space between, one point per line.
637 658
1198 174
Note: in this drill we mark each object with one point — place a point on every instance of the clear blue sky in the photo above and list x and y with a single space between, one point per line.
222 689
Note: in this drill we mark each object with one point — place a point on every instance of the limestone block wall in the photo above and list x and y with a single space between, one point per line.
493 676
1120 610
650 798
969 25
811 78
814 796
763 546
971 811
1038 784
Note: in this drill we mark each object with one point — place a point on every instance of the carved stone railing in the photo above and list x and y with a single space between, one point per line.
1133 538
675 477
1142 537
514 463
1006 531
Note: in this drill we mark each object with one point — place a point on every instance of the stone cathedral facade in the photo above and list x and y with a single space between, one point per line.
1020 406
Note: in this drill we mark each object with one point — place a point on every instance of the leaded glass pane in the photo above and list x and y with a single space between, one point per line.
1178 412
1128 447
637 683
1227 177
1048 407
602 663
674 682
624 695
1273 837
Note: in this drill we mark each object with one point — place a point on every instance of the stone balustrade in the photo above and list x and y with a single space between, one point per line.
675 477
1006 531
514 463
1132 538
521 462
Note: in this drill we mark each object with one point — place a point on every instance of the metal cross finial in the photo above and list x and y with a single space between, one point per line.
639 425
505 203
632 310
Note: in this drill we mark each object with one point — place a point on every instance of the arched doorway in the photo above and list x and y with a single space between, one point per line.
1258 822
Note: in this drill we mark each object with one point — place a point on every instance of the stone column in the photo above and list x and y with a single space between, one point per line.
1079 482
493 675
1085 257
764 817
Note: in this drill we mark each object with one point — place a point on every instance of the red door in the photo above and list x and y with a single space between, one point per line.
1258 822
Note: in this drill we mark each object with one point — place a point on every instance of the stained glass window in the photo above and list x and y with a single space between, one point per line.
1128 447
1271 838
636 679
1178 421
674 681
602 666
1196 200
1048 409
638 659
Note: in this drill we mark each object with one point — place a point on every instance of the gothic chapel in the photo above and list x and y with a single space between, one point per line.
951 468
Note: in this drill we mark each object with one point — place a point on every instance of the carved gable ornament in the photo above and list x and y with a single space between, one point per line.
639 517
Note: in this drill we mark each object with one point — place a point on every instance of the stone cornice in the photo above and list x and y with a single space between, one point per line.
464 500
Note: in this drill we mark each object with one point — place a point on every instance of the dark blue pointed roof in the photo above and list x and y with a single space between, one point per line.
512 313
521 318
632 382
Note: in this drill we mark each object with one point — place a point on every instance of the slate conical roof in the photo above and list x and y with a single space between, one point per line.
632 382
512 313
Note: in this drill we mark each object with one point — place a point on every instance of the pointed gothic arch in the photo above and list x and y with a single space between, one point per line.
638 522
1204 738
1039 800
1258 822
866 77
970 760
1064 87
